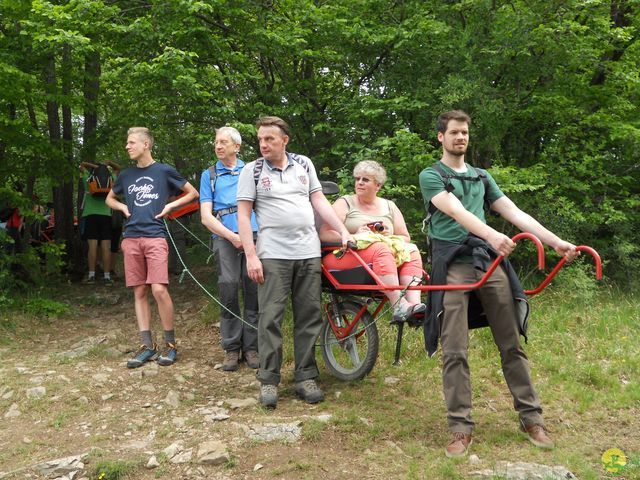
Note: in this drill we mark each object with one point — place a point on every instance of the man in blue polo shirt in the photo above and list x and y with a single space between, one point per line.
218 213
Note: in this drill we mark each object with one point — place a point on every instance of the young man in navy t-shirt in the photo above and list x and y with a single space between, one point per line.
146 188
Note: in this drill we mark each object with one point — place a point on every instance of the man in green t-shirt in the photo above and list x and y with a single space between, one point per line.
96 226
459 236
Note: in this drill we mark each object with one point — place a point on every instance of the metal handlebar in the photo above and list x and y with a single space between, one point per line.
560 264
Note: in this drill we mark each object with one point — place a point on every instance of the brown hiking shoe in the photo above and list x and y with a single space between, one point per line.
458 445
538 435
252 359
230 363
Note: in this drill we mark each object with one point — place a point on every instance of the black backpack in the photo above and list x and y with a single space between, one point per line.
100 181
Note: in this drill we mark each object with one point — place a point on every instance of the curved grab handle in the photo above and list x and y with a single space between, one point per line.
538 243
581 248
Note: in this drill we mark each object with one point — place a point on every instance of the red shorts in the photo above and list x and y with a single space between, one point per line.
146 261
380 258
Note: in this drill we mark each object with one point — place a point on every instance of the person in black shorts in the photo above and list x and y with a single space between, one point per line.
96 227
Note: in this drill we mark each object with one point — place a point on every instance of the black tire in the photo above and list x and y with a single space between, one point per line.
354 357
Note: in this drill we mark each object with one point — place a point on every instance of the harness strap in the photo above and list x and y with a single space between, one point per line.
258 166
225 211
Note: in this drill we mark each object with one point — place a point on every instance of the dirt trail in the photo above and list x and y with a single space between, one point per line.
65 391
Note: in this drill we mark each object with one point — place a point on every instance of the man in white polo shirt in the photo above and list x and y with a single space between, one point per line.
283 189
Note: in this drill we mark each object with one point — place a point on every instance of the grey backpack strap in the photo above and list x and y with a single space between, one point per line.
299 160
257 170
213 178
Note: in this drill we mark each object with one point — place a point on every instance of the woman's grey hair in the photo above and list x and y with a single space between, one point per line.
372 168
232 132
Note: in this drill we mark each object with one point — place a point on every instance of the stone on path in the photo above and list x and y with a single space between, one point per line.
62 466
236 403
100 377
172 399
140 444
215 414
173 449
150 369
212 453
524 471
13 411
153 462
287 432
36 392
182 457
83 347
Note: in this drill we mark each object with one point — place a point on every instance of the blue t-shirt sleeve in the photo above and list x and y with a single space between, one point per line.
175 180
206 195
117 186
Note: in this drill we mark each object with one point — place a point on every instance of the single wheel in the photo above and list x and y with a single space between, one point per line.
350 356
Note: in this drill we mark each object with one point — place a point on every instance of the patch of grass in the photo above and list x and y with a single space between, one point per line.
45 307
113 469
312 430
584 356
296 467
231 463
59 420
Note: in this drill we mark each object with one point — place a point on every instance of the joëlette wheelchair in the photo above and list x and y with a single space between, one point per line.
355 297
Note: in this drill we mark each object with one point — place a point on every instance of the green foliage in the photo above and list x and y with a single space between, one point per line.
552 89
38 306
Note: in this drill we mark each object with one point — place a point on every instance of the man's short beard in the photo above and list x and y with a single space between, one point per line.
456 153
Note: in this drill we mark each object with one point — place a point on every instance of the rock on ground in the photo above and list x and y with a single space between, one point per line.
212 453
524 471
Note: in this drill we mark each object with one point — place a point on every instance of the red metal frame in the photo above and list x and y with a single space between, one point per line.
380 287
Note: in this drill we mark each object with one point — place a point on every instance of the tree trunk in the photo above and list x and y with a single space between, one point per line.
72 240
91 90
53 124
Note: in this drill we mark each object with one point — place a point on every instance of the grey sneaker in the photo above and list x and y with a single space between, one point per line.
230 363
268 395
252 359
309 391
89 280
107 281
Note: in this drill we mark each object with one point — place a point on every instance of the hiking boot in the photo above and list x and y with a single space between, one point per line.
252 359
142 356
268 397
537 435
89 280
108 282
168 356
458 445
309 391
230 363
